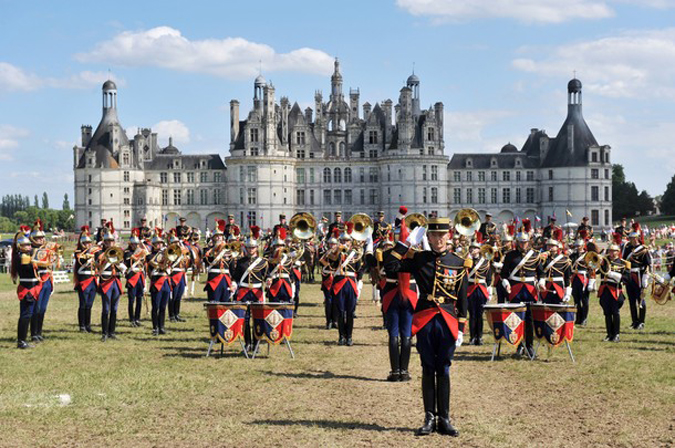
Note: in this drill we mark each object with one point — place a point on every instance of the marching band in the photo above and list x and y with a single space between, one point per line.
429 274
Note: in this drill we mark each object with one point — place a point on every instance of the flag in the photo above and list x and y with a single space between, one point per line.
568 213
537 218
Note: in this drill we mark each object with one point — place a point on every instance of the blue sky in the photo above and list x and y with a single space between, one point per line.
500 68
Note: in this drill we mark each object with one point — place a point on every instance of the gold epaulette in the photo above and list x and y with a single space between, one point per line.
468 263
627 264
26 259
379 255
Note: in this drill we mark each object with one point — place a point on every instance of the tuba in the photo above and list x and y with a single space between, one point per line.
302 225
234 247
113 255
595 261
415 220
488 252
661 290
467 222
363 226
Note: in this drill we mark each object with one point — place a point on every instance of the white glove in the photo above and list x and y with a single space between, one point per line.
425 243
233 287
497 265
359 286
542 284
491 291
506 284
659 279
666 278
460 339
568 294
369 244
415 237
591 285
646 280
614 276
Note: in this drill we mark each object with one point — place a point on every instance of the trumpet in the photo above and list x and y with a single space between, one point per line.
488 252
363 226
302 225
415 220
596 261
279 254
467 221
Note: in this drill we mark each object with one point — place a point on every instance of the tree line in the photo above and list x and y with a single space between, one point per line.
16 209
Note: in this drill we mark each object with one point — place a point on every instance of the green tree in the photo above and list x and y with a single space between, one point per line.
66 202
625 195
668 199
36 204
45 201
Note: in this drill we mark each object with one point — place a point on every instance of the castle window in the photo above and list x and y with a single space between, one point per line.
176 197
424 172
241 195
550 174
506 176
430 134
125 158
606 174
254 135
594 156
331 146
89 178
529 195
469 195
176 178
342 149
595 173
373 174
337 196
431 151
434 172
348 197
300 175
299 197
300 138
493 176
606 217
518 162
606 193
372 137
457 196
348 175
362 174
434 195
326 197
373 196
311 197
326 175
337 175
493 163
519 197
252 195
493 195
421 151
126 201
469 176
595 193
163 178
251 173
216 196
127 224
424 195
506 195
481 196
204 176
311 175
255 151
372 153
300 153
457 176
165 197
481 176
252 218
362 196
518 175
217 176
469 163
530 176
190 197
550 194
176 163
203 197
595 217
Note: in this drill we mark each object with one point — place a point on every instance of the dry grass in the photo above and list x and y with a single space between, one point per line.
144 391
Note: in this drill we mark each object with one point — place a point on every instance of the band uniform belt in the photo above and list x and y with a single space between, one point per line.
635 269
556 279
476 281
522 279
251 285
44 271
581 272
219 271
395 280
85 272
281 276
32 280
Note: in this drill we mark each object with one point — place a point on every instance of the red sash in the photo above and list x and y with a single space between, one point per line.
84 284
159 282
298 273
328 282
107 284
177 277
215 281
337 286
613 291
22 291
406 291
472 288
421 318
133 280
388 297
552 286
515 289
582 278
278 284
241 292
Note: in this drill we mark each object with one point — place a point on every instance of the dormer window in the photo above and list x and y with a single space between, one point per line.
176 163
518 163
493 163
469 163
202 164
594 156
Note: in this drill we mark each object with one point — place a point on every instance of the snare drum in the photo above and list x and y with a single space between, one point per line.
226 321
272 321
555 323
507 321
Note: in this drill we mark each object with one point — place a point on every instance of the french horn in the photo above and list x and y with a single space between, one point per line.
467 221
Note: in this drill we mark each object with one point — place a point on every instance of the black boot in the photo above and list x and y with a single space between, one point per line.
161 318
34 327
341 329
642 314
327 311
609 325
617 327
479 329
443 403
80 320
406 344
429 399
349 328
130 309
104 327
394 359
172 316
155 327
111 325
177 311
22 333
137 314
87 320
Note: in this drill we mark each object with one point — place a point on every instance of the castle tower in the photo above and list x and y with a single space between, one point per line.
413 84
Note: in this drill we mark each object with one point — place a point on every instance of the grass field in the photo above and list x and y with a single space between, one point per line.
146 391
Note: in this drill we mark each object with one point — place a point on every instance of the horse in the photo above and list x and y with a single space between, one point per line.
194 265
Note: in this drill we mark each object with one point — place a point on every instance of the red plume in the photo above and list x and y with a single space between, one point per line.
38 224
349 227
336 232
255 232
583 233
527 225
636 226
479 237
24 228
403 235
236 231
391 236
511 229
136 232
110 226
220 223
158 231
403 209
84 228
558 234
282 233
617 237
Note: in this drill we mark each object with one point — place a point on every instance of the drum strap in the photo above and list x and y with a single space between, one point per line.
475 268
252 266
553 262
522 263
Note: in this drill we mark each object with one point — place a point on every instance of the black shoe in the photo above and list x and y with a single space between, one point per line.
155 332
112 336
138 323
405 375
615 338
104 338
429 425
342 341
180 319
132 323
607 339
394 376
521 350
640 326
328 326
162 330
445 427
24 345
172 319
479 341
83 329
350 342
35 338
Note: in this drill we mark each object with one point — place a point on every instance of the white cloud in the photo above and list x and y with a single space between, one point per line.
172 128
13 78
232 57
9 140
631 65
465 131
531 11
